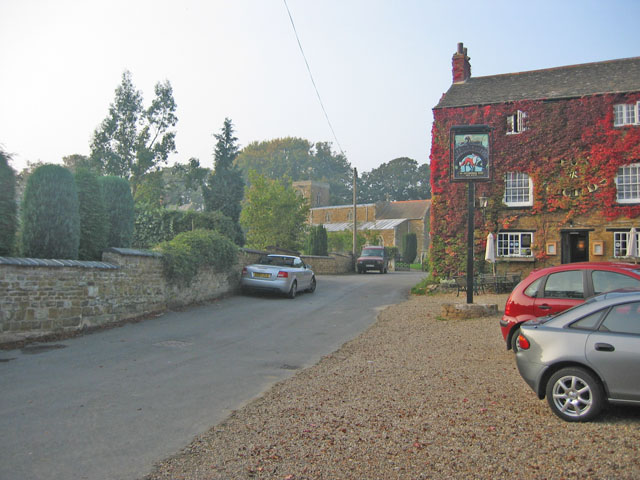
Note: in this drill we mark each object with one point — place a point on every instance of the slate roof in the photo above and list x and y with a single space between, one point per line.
613 76
388 224
411 209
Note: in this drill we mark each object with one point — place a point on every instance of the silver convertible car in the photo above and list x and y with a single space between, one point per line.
586 356
280 273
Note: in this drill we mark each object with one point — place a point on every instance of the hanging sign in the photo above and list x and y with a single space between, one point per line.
470 156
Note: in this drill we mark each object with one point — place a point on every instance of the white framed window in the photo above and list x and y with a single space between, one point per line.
626 114
621 243
518 189
628 184
515 244
516 123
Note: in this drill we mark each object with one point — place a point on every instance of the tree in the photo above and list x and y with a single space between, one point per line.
8 208
76 161
119 209
409 247
274 214
298 159
50 214
317 243
400 179
93 231
132 140
224 189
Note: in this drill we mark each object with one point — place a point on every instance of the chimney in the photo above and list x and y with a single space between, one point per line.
461 65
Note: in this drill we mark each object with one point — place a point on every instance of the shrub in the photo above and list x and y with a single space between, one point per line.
50 216
118 203
317 243
409 247
8 209
93 227
182 256
153 226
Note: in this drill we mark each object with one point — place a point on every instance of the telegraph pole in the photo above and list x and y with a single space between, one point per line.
355 228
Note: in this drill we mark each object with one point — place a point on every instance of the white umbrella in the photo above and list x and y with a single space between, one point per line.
490 252
632 244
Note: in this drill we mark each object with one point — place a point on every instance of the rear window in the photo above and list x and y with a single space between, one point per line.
564 285
606 281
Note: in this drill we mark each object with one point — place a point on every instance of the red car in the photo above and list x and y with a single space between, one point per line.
553 289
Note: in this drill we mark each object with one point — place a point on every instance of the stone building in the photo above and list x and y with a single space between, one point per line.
565 165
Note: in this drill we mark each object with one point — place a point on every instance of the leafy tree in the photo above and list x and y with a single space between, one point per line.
8 208
298 159
50 214
93 231
76 161
399 179
119 209
225 187
151 190
274 214
132 140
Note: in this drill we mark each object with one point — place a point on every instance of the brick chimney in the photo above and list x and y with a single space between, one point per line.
461 65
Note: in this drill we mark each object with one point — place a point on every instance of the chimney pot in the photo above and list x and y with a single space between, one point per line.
461 66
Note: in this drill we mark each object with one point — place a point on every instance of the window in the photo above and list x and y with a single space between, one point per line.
626 114
327 217
606 281
589 322
620 243
628 183
564 285
518 190
516 123
515 244
623 318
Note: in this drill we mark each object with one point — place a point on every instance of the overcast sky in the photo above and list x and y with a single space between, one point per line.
380 66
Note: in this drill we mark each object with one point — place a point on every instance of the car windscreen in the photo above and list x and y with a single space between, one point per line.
372 252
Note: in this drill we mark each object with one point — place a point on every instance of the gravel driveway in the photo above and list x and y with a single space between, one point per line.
413 397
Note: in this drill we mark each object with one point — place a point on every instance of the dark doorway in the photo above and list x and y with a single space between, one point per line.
575 246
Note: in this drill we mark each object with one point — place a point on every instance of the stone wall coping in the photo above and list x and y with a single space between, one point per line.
133 252
45 262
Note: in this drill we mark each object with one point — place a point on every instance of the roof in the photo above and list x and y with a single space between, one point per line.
412 209
388 224
613 76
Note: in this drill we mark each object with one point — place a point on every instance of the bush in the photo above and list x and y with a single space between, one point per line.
409 247
8 209
50 216
182 256
93 227
153 226
118 203
317 243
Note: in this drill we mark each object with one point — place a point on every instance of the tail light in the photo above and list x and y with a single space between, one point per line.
282 274
244 271
507 307
523 343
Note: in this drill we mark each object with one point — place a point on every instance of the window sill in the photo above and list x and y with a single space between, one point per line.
517 259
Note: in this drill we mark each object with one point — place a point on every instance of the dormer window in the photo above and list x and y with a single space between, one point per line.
516 123
626 114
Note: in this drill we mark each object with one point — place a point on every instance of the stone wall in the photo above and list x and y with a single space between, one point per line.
44 296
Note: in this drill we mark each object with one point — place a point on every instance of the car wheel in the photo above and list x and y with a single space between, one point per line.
514 339
312 285
574 394
293 290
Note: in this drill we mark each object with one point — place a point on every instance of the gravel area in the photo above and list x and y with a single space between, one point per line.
413 397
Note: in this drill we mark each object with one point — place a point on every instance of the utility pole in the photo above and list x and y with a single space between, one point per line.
355 228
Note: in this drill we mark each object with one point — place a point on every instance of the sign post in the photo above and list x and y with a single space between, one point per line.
471 163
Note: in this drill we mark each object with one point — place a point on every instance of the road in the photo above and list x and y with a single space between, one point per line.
111 404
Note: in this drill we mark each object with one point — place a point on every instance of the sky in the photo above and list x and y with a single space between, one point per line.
380 66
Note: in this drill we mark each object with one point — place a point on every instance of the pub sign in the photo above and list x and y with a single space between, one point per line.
470 156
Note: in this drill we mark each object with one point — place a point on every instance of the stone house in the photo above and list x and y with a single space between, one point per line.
564 180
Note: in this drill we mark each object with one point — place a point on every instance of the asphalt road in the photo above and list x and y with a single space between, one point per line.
111 404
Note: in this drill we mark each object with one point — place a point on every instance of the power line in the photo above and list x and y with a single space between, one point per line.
312 80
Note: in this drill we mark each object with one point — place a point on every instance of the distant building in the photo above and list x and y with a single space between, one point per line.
565 171
316 192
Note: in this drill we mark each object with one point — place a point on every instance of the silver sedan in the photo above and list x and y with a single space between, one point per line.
586 356
280 273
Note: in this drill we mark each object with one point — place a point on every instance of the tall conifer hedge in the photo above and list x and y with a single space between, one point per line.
8 216
93 226
119 209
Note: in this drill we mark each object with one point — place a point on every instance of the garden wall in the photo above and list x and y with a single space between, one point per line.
50 296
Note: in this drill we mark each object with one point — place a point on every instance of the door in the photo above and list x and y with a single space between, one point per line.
575 246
